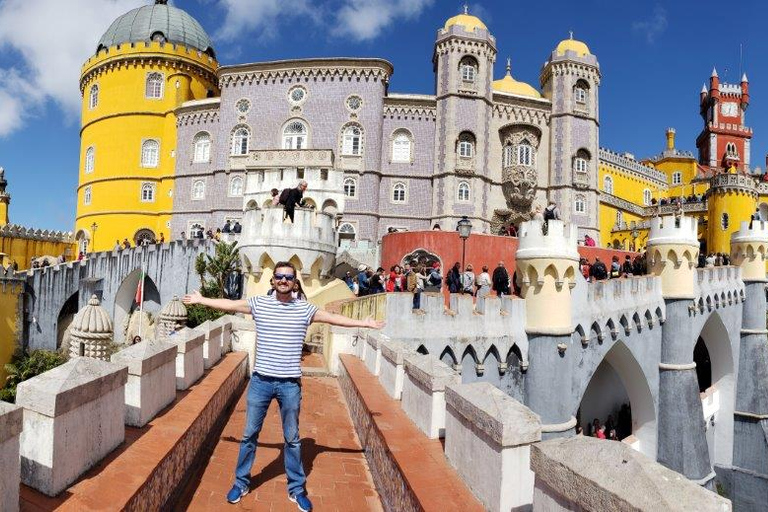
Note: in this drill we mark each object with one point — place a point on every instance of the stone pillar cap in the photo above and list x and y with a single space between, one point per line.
92 319
11 421
431 372
598 474
145 356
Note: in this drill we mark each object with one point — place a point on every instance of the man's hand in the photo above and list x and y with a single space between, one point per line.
374 324
192 298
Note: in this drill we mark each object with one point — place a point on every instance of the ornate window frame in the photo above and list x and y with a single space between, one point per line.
237 149
608 184
147 162
580 203
647 197
241 101
350 184
90 160
297 102
394 136
154 85
93 97
147 192
199 155
399 188
294 136
346 149
231 191
349 99
87 195
677 178
194 196
463 188
469 68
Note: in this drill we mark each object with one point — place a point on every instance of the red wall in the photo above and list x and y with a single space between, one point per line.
481 249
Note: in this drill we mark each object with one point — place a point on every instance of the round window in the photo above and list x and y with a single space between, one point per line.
354 103
297 94
243 106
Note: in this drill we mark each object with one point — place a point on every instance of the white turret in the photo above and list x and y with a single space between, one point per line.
673 252
749 246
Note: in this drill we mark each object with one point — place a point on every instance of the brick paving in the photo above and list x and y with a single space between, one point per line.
338 478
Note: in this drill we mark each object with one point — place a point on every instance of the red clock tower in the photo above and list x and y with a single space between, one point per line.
725 139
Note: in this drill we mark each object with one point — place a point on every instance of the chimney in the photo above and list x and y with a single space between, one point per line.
670 139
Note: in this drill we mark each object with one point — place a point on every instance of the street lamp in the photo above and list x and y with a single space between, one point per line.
634 234
464 227
94 227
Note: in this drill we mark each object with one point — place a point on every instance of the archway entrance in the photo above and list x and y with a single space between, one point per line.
618 391
714 370
143 236
66 315
125 301
83 238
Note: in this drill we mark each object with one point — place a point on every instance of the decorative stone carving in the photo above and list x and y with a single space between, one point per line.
173 317
519 181
91 332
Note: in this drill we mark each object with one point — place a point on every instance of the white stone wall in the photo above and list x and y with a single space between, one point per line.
11 418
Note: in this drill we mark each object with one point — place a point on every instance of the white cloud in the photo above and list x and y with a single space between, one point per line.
364 20
53 38
248 16
653 27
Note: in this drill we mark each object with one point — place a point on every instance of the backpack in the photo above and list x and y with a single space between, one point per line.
435 279
549 214
284 196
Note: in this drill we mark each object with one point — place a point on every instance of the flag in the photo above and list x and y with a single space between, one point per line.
140 290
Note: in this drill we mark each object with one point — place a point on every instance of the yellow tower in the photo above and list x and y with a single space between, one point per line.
5 199
673 252
150 61
731 199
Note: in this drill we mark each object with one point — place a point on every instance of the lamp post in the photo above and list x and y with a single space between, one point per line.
634 234
464 227
94 227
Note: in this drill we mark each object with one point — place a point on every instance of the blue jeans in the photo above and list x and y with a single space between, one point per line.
261 391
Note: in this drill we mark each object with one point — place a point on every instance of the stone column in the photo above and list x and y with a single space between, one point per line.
748 250
10 475
91 332
546 271
173 318
673 251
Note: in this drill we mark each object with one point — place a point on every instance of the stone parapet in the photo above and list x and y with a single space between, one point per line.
372 352
392 371
11 423
225 323
189 357
212 343
151 379
484 423
673 252
73 417
583 473
423 398
749 246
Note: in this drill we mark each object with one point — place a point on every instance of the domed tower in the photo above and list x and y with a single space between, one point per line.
463 63
148 62
570 79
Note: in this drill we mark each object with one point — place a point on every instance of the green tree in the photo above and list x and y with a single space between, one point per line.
213 272
24 366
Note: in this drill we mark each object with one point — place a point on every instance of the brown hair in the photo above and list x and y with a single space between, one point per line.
285 264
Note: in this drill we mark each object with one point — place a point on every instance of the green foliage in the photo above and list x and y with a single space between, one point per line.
24 366
213 271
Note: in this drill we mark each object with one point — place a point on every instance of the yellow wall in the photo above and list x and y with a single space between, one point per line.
123 119
9 323
22 250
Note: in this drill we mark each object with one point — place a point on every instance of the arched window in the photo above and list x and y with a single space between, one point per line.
509 155
581 93
295 135
581 161
619 217
154 86
608 185
241 140
90 159
525 153
580 204
87 195
350 187
647 196
352 141
346 232
147 193
401 146
724 221
236 186
398 193
677 178
466 145
730 150
150 153
93 97
468 69
198 189
202 142
463 191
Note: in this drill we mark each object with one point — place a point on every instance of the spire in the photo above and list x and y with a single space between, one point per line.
570 34
704 88
509 66
714 72
744 78
466 8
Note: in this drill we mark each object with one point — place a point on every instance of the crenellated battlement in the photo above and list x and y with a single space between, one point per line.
560 241
669 229
749 246
44 235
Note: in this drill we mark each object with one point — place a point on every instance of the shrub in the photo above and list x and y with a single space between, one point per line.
24 366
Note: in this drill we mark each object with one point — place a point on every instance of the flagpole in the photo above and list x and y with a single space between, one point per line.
141 294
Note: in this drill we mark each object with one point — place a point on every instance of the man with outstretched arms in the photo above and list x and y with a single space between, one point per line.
281 326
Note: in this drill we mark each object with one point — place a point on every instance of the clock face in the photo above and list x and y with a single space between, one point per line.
729 109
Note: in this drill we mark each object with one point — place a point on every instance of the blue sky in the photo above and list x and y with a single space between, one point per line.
654 57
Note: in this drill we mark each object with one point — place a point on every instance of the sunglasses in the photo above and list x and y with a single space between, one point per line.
287 277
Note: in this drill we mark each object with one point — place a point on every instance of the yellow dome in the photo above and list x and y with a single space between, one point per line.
573 45
469 22
512 86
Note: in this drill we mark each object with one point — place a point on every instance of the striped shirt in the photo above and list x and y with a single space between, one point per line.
280 331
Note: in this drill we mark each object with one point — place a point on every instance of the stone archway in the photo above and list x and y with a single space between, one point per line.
713 352
125 301
66 315
617 380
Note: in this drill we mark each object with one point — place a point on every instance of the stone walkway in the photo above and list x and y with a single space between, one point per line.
338 478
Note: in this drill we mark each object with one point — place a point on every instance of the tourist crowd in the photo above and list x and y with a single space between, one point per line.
614 430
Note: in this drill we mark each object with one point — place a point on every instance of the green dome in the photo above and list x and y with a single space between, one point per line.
158 21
